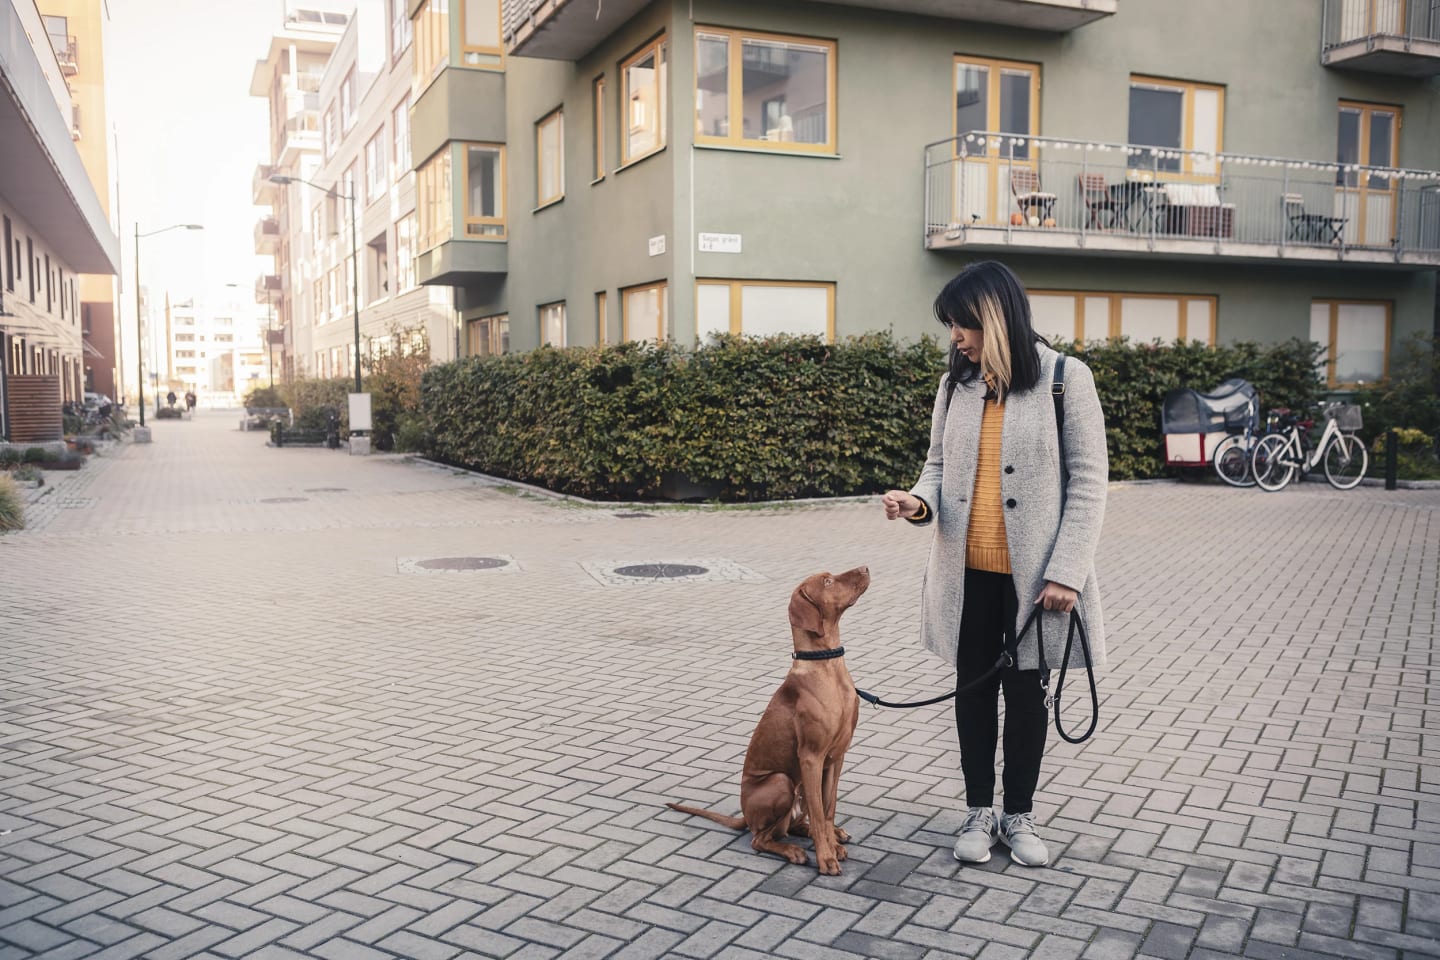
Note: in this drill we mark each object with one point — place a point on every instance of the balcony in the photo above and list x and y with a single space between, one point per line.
993 191
1398 37
1051 16
268 288
65 55
263 191
267 236
302 133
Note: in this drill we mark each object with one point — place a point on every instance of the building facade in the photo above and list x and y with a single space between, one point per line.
55 229
1154 169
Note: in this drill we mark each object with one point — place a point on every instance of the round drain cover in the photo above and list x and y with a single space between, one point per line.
326 490
462 563
660 571
285 500
634 516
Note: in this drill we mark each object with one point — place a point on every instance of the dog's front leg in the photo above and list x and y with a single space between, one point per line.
812 775
831 781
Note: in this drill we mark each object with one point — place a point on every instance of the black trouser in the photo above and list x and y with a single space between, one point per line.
987 619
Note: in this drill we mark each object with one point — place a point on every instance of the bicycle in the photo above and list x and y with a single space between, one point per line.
1280 457
1232 455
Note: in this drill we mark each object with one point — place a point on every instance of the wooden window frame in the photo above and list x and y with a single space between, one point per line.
735 92
1187 173
499 221
1335 306
427 200
564 322
737 302
1113 325
399 165
597 89
554 116
492 334
659 46
430 37
601 317
497 51
992 98
660 285
1367 109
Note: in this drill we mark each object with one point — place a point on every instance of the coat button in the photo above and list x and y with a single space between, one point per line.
1009 469
1010 503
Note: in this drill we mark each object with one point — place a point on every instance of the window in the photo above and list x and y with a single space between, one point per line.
332 292
347 284
550 158
375 179
30 259
347 101
1143 317
317 223
377 269
330 133
480 33
184 353
488 336
184 338
49 286
602 335
644 102
484 190
766 91
642 312
1172 116
400 124
399 29
599 92
405 233
9 258
998 96
1369 136
1356 337
552 324
764 308
224 338
433 201
432 43
317 302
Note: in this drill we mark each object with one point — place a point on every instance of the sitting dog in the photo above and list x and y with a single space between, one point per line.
792 768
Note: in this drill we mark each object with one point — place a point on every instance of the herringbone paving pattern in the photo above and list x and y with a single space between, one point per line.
233 728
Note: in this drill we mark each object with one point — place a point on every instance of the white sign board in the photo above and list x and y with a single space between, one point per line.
657 245
719 243
360 412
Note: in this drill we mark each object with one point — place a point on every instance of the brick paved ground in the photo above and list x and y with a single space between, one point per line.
231 727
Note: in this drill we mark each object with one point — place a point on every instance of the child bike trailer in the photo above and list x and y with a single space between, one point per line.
1194 423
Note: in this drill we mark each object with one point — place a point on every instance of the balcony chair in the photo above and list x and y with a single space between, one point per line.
1312 227
1098 200
1030 200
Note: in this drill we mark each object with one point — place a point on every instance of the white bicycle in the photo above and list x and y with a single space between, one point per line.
1280 457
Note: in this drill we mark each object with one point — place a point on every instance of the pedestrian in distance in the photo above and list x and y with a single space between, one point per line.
190 400
170 398
1012 531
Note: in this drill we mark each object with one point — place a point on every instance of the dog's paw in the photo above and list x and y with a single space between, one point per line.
841 837
841 853
829 866
795 855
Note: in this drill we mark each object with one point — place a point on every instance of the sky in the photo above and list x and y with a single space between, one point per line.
187 138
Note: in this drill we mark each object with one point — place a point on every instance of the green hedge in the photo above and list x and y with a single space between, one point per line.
781 417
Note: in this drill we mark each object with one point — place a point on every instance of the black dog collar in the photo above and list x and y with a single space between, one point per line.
818 654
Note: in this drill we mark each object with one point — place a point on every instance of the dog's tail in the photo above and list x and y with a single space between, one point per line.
734 823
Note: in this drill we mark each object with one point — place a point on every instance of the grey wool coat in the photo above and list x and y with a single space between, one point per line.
1045 541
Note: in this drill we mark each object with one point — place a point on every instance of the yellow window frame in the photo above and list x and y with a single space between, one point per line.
540 313
736 302
497 51
600 317
735 90
1330 358
499 221
992 97
598 90
661 286
1187 125
554 116
1113 326
659 47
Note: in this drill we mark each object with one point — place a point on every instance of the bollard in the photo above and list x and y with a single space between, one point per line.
1392 454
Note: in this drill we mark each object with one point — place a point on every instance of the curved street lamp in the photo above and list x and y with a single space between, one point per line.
331 191
139 335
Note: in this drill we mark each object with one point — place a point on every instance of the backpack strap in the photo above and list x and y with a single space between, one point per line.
1057 392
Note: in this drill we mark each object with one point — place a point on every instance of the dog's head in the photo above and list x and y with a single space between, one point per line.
816 604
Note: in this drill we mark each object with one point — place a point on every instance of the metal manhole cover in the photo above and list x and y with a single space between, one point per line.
326 490
661 571
285 500
461 563
634 516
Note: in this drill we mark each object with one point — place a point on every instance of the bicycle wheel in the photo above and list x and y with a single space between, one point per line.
1267 462
1232 462
1345 462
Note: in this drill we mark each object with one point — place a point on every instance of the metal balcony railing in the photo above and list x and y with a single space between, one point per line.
67 56
1350 20
998 189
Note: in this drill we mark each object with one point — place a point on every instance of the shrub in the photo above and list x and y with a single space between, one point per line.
307 396
30 473
9 458
34 455
412 433
1410 396
12 510
393 374
263 397
71 424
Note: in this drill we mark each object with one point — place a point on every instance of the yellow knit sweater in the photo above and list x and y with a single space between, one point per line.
985 544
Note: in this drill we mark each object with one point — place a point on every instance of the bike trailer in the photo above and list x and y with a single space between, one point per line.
1194 423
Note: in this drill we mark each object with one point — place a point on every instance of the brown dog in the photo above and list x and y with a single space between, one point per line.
792 768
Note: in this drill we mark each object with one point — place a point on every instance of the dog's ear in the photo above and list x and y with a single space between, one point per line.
804 613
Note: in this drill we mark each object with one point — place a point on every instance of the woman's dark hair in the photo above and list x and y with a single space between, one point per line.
987 296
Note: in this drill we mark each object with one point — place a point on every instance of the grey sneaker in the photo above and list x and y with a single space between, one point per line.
1017 831
977 836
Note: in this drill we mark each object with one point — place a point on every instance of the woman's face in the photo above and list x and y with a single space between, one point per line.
967 341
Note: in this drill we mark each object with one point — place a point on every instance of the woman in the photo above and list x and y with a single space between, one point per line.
1009 534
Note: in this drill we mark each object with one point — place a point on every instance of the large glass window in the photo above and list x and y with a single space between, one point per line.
405 234
399 29
1356 337
642 312
484 190
1140 317
1368 138
480 33
432 43
400 125
1173 116
488 336
552 324
997 96
644 101
332 135
599 94
375 178
550 158
433 203
347 101
764 308
763 90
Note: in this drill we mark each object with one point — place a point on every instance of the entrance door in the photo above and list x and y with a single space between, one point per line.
1001 97
1369 137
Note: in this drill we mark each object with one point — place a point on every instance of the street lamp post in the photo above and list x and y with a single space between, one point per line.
139 313
354 254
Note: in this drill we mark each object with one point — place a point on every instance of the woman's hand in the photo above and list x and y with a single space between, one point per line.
900 505
1056 597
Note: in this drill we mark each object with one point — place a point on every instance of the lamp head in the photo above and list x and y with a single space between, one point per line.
194 226
281 179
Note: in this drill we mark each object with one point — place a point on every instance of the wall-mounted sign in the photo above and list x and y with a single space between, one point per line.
719 243
657 245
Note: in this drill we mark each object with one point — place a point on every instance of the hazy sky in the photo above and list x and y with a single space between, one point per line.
189 136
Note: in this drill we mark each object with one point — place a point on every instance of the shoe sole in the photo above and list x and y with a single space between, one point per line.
963 860
1016 857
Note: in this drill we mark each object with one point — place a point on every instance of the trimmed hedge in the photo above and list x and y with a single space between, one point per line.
781 417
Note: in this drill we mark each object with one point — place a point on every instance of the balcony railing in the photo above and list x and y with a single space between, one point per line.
267 235
66 56
268 288
261 189
994 190
1383 36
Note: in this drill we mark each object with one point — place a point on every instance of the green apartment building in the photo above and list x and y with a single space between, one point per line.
596 170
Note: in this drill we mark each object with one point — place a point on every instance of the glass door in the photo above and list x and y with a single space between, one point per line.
1000 97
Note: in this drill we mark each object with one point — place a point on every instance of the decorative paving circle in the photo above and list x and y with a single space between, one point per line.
661 571
461 563
285 500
